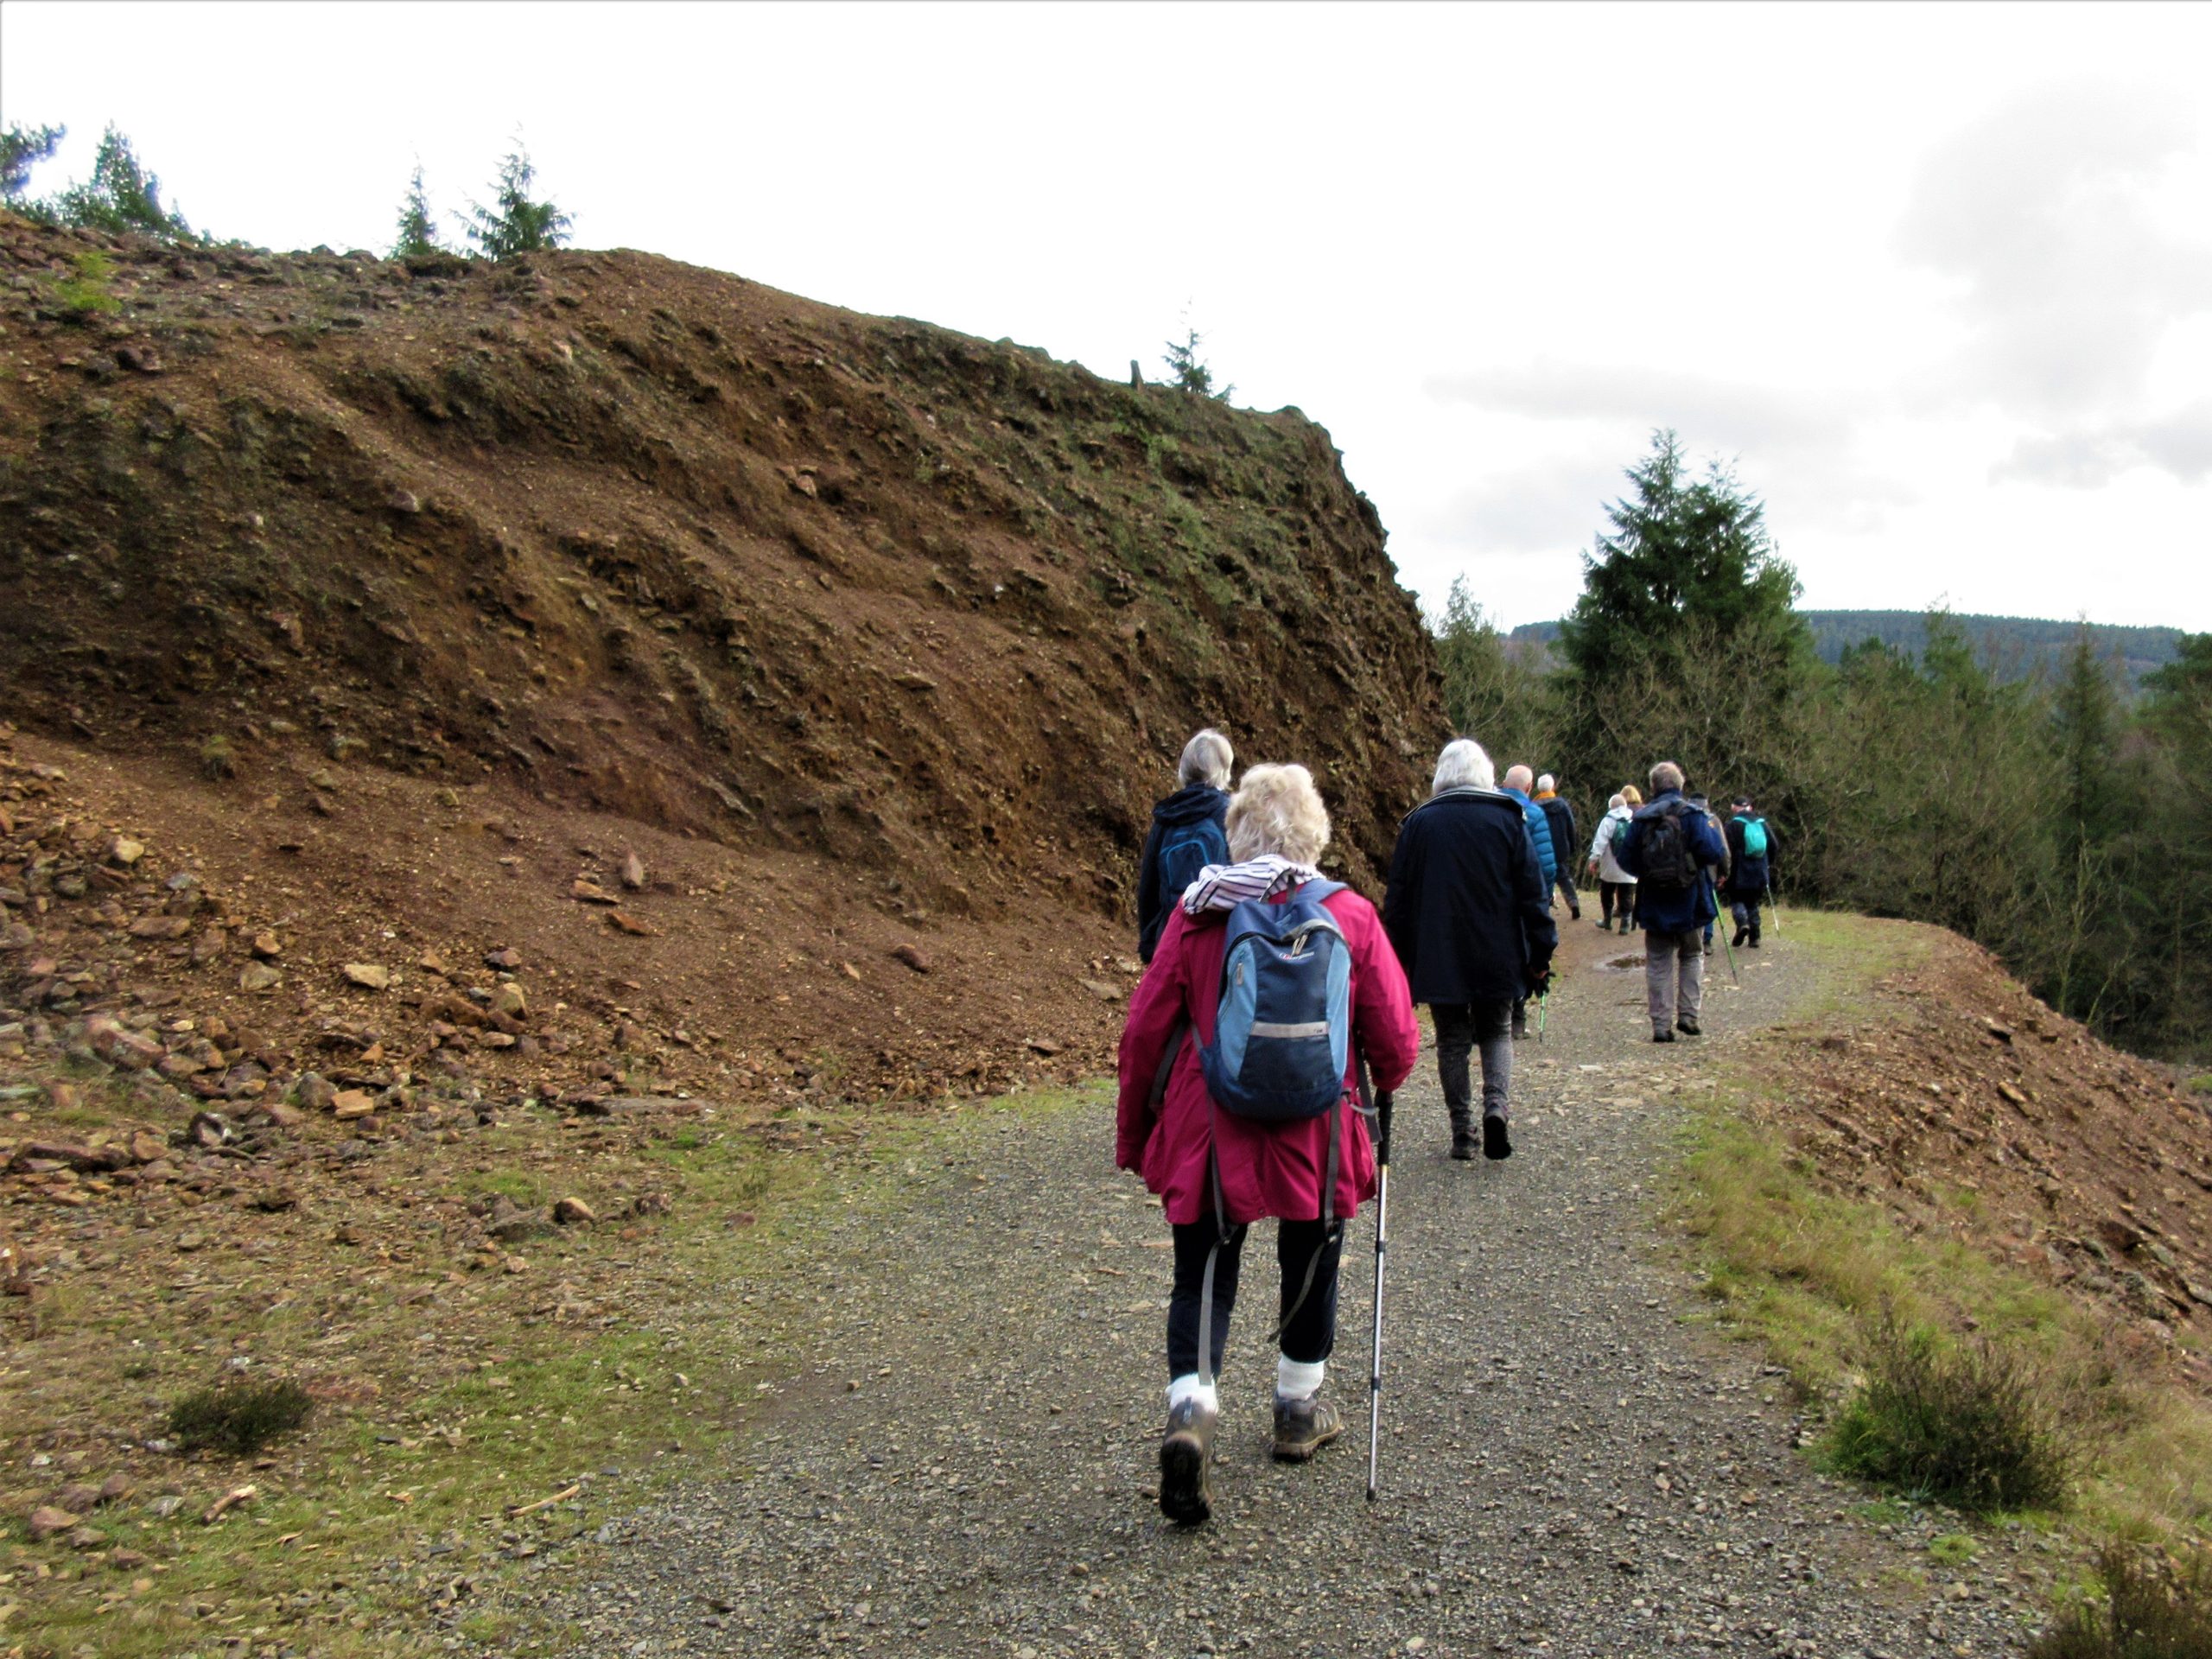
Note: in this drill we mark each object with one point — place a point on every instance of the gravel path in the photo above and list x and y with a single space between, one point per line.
1570 1465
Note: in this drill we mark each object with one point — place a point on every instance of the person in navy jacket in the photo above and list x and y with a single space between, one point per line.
1674 899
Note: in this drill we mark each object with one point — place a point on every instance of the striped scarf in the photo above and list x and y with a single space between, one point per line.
1224 886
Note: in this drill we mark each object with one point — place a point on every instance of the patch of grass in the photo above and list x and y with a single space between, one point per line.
514 1397
240 1418
2149 1608
1954 1548
526 1191
84 294
1970 1424
1814 1276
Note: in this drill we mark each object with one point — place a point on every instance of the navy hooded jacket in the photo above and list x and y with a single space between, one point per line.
1673 909
1193 803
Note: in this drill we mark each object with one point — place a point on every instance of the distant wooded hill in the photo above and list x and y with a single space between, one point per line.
2016 647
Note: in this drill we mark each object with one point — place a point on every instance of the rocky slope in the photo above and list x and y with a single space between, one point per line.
663 542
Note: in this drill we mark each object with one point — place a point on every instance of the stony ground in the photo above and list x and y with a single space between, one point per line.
1573 1463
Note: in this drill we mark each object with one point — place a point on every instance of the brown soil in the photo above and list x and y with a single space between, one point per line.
2087 1166
662 542
399 596
478 729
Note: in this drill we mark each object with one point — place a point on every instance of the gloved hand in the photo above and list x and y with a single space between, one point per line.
1539 981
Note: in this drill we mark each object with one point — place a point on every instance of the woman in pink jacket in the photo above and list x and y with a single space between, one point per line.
1277 828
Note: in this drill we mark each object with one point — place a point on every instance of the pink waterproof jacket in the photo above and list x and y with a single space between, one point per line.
1266 1169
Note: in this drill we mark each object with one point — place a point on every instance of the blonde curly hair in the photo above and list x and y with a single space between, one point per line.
1277 809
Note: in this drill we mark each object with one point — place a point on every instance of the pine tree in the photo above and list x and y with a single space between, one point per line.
121 198
516 224
1680 552
1189 370
418 231
20 149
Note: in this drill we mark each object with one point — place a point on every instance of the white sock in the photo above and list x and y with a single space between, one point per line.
1187 1387
1298 1379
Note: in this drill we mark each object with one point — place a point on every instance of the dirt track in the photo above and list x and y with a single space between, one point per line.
1571 1466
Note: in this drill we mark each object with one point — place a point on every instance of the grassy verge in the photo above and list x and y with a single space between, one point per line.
1926 1361
448 1395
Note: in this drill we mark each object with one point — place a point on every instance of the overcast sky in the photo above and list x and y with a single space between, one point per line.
1938 281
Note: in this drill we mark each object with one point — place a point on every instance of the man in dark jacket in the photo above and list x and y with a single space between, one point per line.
1672 848
1471 919
1186 835
1751 868
1564 839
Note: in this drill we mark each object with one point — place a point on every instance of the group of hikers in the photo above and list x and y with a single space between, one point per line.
1276 1008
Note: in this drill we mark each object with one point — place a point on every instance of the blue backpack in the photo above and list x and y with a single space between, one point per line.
1282 1037
1184 851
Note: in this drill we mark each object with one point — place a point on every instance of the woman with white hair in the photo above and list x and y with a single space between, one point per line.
1616 887
1208 1123
1186 834
1470 915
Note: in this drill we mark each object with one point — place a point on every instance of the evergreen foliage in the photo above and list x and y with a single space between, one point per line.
20 149
1494 689
121 198
2049 817
1680 551
417 230
516 223
1188 369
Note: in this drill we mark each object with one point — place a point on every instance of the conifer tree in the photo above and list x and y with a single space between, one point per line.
1189 370
418 233
516 224
20 149
122 197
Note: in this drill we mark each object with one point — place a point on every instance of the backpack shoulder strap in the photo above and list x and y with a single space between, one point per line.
1176 1038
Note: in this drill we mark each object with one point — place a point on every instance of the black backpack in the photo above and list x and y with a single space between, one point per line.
1669 863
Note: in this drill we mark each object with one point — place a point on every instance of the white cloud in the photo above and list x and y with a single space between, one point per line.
2048 214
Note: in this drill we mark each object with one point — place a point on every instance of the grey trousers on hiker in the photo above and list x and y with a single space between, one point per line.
1462 1030
1674 976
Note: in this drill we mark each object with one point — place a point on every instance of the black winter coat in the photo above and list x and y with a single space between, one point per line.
1565 837
1188 804
1749 877
1467 910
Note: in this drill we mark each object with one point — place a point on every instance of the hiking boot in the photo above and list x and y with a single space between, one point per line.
1689 1028
1520 1025
1463 1143
1574 914
1742 934
1185 1463
1753 942
1304 1426
1605 923
1662 1036
1495 1144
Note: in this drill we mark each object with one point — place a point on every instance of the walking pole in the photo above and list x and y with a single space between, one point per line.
1543 1009
1381 1247
1773 905
1730 945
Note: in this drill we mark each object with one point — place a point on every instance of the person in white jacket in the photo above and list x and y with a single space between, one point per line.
1616 887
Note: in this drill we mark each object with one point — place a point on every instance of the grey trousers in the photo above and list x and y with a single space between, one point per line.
1461 1030
1674 976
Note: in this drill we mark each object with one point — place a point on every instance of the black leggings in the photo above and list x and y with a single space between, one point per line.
1620 892
1309 1335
